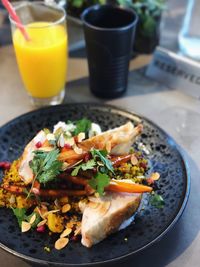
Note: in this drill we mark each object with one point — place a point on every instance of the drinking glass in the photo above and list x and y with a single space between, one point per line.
42 60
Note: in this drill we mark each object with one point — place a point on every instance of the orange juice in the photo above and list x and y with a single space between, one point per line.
42 61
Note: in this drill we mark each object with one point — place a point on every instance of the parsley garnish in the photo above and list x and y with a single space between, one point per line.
89 165
157 201
82 125
20 214
45 165
99 182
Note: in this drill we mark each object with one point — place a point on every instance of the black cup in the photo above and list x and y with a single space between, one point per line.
109 35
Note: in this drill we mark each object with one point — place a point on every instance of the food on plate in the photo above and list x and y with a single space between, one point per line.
78 182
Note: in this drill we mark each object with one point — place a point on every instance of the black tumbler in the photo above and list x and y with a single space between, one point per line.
109 35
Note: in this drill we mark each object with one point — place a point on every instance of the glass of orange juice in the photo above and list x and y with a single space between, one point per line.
42 60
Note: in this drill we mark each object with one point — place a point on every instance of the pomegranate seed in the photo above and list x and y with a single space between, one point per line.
5 165
143 165
38 144
75 238
86 157
41 229
68 146
150 181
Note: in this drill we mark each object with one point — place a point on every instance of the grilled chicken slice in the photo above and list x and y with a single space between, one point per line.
117 141
24 169
103 216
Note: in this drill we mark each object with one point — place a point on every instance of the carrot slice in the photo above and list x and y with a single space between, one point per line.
120 186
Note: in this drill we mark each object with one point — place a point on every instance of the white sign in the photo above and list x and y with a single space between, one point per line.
175 71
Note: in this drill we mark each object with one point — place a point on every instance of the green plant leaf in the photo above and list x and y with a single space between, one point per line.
101 154
20 215
99 182
157 201
82 125
89 165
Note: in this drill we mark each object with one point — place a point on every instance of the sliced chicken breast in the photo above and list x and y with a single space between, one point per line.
24 169
103 216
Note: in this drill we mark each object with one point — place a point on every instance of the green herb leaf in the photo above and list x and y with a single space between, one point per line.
89 165
82 125
101 154
45 165
20 215
157 201
99 182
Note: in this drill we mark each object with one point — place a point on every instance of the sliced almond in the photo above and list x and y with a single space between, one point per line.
104 207
80 137
32 219
108 146
134 160
48 212
70 141
61 243
26 226
77 150
66 208
66 232
43 222
93 205
77 231
155 176
65 165
61 141
56 202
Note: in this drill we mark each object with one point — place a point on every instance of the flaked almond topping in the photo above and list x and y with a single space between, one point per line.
104 207
66 208
65 165
48 212
43 222
134 160
77 231
77 150
50 136
61 141
70 141
155 176
12 199
56 202
66 232
61 243
108 146
32 219
80 137
26 226
93 205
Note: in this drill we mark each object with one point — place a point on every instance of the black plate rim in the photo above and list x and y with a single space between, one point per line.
156 239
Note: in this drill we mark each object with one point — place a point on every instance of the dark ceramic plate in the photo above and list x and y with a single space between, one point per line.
150 224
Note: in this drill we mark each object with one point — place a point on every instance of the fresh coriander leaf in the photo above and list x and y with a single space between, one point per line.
45 165
89 165
82 125
101 154
76 170
99 182
20 215
157 201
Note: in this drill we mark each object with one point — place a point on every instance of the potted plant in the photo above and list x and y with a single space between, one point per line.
76 7
148 28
